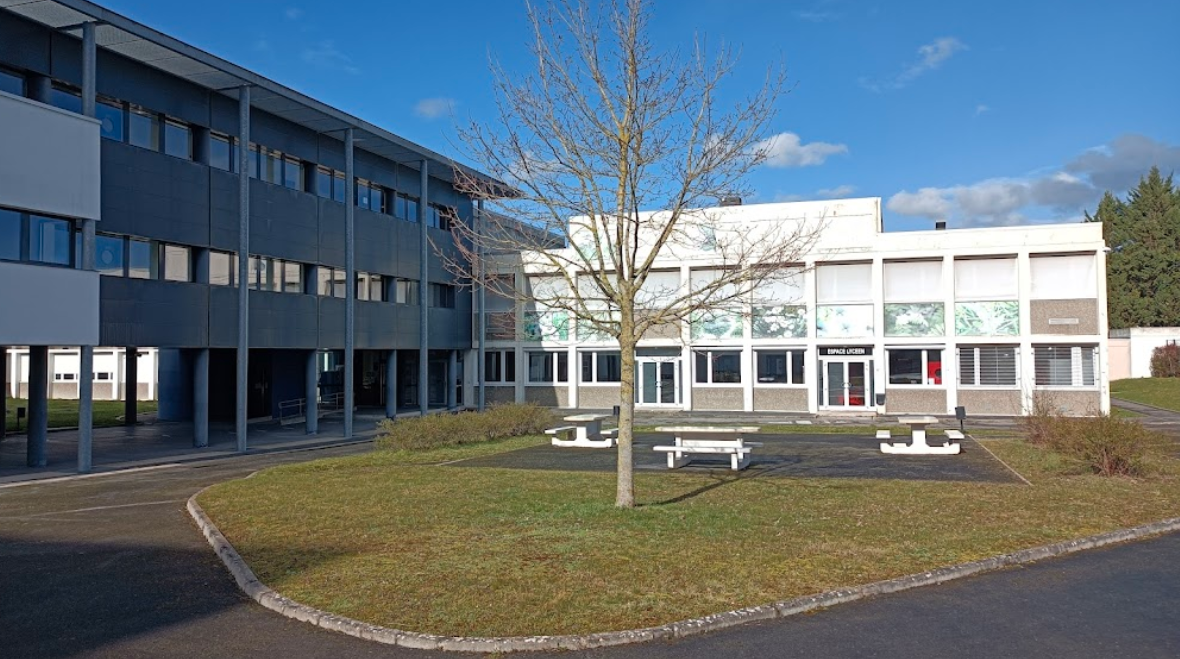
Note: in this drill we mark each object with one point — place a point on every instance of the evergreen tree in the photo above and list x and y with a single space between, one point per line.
1143 267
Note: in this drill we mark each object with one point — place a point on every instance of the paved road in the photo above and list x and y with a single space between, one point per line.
113 567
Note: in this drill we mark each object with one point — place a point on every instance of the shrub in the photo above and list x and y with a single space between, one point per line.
1102 444
438 430
1165 361
1038 425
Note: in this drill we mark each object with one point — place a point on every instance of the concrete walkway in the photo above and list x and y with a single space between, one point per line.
112 566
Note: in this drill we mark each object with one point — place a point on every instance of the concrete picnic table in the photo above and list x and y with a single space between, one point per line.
724 440
586 431
918 444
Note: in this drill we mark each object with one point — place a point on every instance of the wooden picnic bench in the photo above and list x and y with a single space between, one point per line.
717 440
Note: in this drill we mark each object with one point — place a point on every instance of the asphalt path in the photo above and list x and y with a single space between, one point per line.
112 566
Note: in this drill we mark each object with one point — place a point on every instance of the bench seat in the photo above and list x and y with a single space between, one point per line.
954 435
884 435
739 456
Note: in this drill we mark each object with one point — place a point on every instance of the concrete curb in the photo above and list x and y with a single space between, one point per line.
268 598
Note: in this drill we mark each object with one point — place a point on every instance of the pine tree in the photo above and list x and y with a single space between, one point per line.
1143 268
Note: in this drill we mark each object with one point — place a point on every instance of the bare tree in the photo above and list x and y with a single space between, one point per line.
604 128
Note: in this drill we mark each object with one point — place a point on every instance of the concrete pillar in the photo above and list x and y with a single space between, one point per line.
311 392
391 384
243 352
350 278
423 293
37 450
452 375
201 398
130 386
86 356
39 87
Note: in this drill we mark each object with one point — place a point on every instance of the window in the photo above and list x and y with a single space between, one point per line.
844 283
1063 277
406 208
292 173
915 366
362 194
10 223
272 166
50 240
377 199
339 283
66 99
324 281
1064 366
140 264
332 282
12 82
439 217
110 113
338 187
913 281
104 376
377 288
65 376
253 161
985 279
548 367
143 129
362 285
602 367
406 291
780 366
292 277
323 182
175 263
223 268
178 140
221 152
718 366
442 296
988 366
500 366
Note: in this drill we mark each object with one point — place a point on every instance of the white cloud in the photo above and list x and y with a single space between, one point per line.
293 13
433 108
981 109
787 150
930 57
836 192
325 56
1064 194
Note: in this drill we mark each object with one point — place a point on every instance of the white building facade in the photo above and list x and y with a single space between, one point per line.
873 322
109 377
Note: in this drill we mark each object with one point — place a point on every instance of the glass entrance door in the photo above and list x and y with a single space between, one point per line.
658 381
846 384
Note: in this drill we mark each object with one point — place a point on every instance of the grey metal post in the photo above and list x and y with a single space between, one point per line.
483 327
424 296
131 386
86 356
452 371
201 398
311 393
36 449
350 277
3 392
391 384
243 257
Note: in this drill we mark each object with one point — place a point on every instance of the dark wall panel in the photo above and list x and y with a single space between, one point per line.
24 45
160 314
283 320
331 323
375 242
223 317
150 194
283 222
331 232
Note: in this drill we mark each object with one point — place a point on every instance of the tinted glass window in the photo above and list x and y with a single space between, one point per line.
377 199
292 277
110 113
292 174
65 100
178 140
254 161
219 152
362 194
9 234
139 260
144 130
338 188
412 209
272 167
323 182
221 268
11 83
108 255
49 240
399 207
176 263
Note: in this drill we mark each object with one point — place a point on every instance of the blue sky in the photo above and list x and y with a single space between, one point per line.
983 113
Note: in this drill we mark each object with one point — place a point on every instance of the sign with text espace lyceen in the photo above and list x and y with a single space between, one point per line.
845 351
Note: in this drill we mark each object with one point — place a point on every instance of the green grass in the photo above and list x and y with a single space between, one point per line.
1157 392
64 413
1120 413
483 551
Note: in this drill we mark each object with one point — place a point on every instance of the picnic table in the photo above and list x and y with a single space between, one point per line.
696 440
918 444
584 430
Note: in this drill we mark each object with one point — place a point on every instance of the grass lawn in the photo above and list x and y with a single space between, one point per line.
391 539
64 413
1158 392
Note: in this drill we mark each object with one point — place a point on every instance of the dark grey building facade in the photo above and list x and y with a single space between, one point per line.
337 247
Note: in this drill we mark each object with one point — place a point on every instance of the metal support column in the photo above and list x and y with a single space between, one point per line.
311 393
452 371
86 356
201 398
130 386
482 324
243 353
350 278
37 449
423 295
3 392
391 384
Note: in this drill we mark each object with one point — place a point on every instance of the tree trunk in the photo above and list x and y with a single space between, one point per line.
625 490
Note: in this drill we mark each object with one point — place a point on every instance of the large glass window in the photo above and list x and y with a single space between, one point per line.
50 240
254 160
324 281
780 366
66 99
323 182
143 129
178 140
176 265
12 82
292 173
362 194
10 222
377 288
338 187
339 283
406 291
272 166
220 153
362 286
140 264
292 277
1064 366
377 199
442 296
110 113
602 367
718 366
989 366
108 255
915 366
548 367
500 366
222 268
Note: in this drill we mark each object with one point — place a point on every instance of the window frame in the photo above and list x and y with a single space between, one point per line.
504 366
1077 372
925 367
711 356
791 357
975 362
595 366
555 361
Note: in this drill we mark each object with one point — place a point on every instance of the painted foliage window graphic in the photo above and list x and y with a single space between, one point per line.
779 311
913 294
986 297
543 321
844 300
724 319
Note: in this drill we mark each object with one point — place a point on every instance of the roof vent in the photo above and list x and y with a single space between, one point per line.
731 200
940 225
